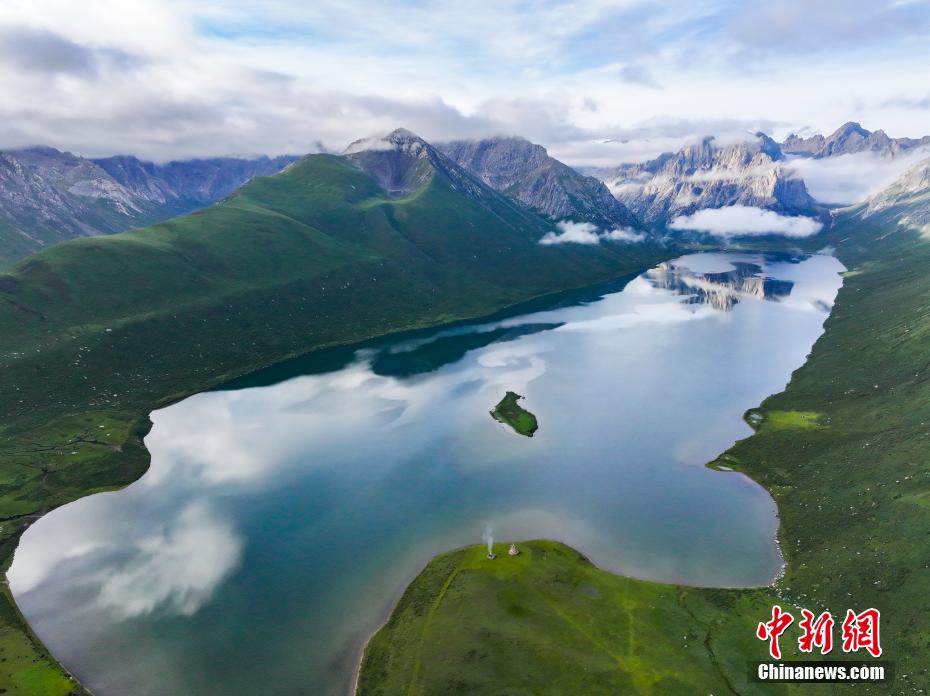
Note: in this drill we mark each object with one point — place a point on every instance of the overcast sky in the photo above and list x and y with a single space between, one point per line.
167 79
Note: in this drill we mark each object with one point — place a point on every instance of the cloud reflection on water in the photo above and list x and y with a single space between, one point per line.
175 569
135 570
299 509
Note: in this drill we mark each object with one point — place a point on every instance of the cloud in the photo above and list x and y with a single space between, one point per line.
851 178
45 52
823 26
177 569
587 233
919 103
224 77
625 234
638 75
573 233
745 221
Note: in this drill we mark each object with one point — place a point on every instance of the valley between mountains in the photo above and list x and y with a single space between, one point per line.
284 256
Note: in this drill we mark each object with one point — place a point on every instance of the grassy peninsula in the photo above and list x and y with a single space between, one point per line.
509 412
843 450
98 332
545 622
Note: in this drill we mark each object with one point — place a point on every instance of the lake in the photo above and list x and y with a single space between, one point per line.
284 514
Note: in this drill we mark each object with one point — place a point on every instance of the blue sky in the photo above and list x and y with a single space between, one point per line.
165 78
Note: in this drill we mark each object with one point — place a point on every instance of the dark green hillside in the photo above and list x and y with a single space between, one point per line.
844 452
97 332
316 256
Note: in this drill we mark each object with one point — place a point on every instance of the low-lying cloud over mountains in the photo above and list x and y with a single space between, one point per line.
746 221
587 233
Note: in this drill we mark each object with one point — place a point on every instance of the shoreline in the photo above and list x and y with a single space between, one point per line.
387 615
776 577
139 423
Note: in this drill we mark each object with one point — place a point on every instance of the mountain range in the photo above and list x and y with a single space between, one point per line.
391 235
851 138
711 174
525 171
48 196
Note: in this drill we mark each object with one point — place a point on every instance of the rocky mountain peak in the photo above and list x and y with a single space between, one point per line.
850 128
711 174
769 146
851 138
400 161
524 170
400 140
499 161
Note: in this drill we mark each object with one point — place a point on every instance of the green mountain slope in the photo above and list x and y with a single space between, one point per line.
843 451
97 332
320 254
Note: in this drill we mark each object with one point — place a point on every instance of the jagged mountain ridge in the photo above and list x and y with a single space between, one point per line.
708 174
851 138
524 171
199 181
48 196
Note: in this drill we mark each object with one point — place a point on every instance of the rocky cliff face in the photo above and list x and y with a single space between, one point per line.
525 171
710 175
48 196
198 182
909 196
851 138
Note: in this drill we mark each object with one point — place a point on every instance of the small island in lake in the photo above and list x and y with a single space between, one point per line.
508 411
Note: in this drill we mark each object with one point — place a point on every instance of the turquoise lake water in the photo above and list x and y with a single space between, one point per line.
283 515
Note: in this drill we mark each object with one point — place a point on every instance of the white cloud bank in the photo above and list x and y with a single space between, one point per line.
746 221
852 178
588 233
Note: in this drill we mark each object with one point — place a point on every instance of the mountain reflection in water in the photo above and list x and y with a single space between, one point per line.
721 291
